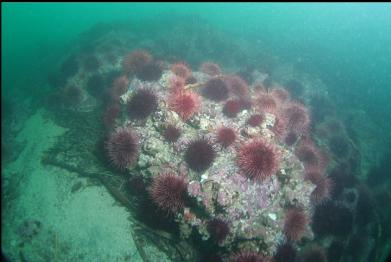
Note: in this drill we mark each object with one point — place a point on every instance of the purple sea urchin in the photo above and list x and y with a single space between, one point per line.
168 192
249 256
142 104
171 133
111 113
216 89
218 229
149 72
122 147
332 219
285 253
200 154
258 159
119 87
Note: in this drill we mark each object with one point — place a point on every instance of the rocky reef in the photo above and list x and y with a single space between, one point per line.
213 153
246 164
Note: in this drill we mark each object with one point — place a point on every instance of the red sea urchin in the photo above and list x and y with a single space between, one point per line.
185 103
226 136
258 159
135 60
279 128
177 84
322 190
142 104
265 102
323 185
255 120
122 147
200 154
211 69
308 154
237 86
168 192
181 70
280 94
216 89
232 108
295 223
291 138
297 117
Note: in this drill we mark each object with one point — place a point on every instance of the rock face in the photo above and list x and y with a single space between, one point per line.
253 208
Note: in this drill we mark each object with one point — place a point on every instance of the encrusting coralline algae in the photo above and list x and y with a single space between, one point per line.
247 185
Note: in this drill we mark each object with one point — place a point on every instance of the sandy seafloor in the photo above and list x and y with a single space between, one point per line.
83 225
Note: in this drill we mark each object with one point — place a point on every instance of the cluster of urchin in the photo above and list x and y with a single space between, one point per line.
214 124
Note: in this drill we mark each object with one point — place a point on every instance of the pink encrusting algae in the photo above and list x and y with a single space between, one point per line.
221 156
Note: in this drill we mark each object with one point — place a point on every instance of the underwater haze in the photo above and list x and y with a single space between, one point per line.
196 131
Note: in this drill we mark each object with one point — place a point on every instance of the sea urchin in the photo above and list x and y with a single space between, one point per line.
226 136
216 90
232 108
171 133
122 147
258 159
185 103
218 229
168 192
142 104
200 154
135 60
295 222
249 256
181 70
297 117
255 120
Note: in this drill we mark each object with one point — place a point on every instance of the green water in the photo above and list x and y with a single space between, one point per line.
346 46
